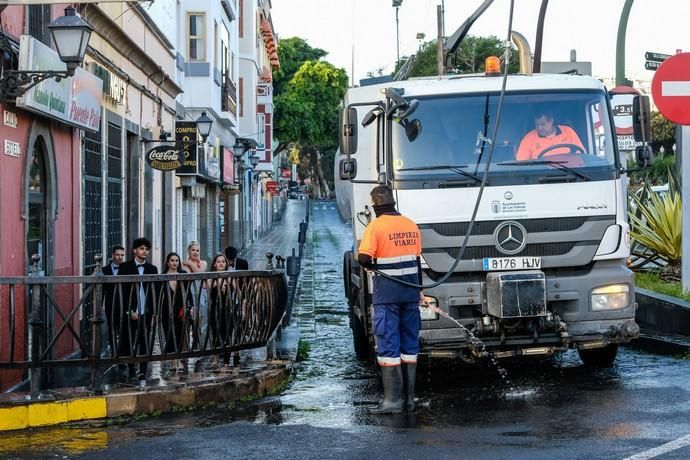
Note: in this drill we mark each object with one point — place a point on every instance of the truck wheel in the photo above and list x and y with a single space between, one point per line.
599 357
359 338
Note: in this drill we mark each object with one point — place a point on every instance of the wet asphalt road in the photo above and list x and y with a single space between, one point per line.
551 409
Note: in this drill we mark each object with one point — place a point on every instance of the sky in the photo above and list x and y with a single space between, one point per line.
588 26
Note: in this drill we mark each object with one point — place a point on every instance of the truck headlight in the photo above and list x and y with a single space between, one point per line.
611 297
428 313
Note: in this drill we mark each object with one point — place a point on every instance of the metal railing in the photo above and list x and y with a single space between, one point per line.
133 318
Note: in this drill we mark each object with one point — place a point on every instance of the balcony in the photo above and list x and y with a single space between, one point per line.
228 96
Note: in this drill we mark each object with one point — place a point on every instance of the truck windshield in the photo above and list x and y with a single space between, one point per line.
543 137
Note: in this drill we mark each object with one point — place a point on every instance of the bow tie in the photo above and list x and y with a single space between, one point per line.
140 265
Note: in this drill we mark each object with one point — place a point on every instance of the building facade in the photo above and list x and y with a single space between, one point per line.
75 179
258 59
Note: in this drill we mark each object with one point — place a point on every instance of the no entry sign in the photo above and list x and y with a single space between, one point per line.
671 88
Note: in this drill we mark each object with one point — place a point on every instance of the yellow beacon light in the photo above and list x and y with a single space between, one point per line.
492 66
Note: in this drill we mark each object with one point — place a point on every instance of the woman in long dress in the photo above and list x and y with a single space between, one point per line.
176 302
195 264
218 294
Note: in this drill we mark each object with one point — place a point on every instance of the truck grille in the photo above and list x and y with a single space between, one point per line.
531 225
541 249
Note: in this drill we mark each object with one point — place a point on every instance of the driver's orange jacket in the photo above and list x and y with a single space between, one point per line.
533 144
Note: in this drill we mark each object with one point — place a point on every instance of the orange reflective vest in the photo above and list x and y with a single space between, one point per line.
394 244
533 144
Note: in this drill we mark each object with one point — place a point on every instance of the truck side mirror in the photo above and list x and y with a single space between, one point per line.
642 119
347 169
348 131
643 155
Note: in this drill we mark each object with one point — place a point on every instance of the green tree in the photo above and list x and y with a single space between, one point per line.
306 107
468 58
293 52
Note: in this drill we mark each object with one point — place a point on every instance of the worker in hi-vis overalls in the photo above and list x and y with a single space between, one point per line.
391 244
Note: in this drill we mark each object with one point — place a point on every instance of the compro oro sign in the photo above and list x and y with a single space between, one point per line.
75 100
164 158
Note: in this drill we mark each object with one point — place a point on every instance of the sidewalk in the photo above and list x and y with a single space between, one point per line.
281 240
250 379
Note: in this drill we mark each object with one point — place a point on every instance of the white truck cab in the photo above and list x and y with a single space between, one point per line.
544 266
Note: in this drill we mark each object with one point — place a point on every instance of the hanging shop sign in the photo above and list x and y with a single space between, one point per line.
212 160
75 100
164 157
186 137
228 166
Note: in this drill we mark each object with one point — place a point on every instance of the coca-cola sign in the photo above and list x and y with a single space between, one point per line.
164 157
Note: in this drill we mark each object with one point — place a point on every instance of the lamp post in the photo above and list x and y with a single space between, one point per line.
254 160
203 126
396 5
241 146
71 37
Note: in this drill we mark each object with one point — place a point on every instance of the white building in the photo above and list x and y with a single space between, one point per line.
257 59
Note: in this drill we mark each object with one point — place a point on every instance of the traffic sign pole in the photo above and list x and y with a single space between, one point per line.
683 149
671 93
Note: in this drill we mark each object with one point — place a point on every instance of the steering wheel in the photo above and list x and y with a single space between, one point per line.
573 149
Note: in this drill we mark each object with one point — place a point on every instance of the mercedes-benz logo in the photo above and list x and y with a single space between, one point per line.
508 195
511 237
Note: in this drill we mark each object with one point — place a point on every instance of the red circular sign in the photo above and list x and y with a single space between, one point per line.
671 88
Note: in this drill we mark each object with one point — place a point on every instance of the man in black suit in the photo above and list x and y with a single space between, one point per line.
111 301
139 302
234 262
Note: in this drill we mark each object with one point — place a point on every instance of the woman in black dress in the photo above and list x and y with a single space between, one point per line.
217 309
176 303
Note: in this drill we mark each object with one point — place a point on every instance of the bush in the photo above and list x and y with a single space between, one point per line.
657 224
655 174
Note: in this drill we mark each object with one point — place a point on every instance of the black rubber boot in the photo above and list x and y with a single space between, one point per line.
409 371
392 403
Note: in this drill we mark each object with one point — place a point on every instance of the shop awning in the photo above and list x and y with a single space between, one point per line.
270 42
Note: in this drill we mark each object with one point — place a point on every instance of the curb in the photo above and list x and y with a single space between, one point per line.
221 390
662 313
661 344
38 414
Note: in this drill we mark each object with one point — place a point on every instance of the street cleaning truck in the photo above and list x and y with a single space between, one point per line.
519 257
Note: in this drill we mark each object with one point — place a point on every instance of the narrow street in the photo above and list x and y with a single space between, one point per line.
555 408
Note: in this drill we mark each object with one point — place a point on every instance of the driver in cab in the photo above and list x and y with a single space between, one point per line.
542 141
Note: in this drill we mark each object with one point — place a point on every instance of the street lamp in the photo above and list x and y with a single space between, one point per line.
254 160
239 148
203 126
71 36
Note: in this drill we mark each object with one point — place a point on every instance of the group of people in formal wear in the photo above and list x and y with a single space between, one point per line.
188 314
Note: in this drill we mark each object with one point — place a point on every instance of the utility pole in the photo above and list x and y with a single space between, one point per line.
536 66
620 45
396 5
443 18
352 71
439 49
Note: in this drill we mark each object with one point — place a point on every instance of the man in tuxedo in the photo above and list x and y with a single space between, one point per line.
111 301
234 262
139 302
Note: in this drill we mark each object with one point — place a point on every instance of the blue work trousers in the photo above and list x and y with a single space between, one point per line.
396 327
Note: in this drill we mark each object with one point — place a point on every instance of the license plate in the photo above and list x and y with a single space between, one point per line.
511 263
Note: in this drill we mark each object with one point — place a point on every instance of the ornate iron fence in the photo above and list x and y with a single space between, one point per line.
134 318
